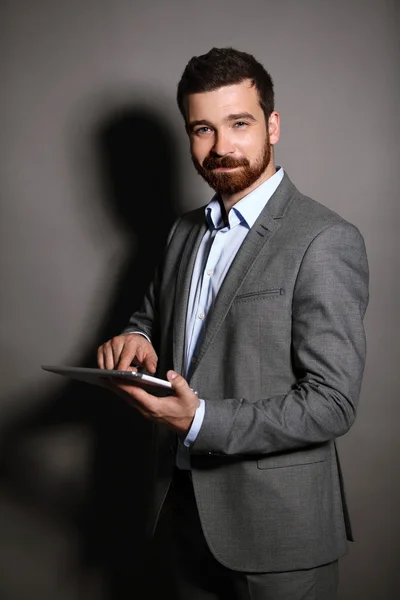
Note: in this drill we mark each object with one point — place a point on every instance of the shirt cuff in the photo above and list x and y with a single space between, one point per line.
196 424
138 332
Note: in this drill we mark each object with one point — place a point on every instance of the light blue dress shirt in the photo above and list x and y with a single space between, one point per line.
217 250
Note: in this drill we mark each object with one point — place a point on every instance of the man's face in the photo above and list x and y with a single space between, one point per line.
229 139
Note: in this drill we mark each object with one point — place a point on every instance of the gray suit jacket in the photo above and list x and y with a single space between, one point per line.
280 369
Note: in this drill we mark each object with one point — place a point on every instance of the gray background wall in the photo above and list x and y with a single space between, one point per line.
71 72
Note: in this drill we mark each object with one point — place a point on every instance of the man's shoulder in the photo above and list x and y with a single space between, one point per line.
316 211
184 225
194 215
313 214
191 218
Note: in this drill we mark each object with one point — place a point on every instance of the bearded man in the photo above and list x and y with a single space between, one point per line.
258 305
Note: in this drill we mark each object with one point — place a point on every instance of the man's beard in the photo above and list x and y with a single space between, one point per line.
234 182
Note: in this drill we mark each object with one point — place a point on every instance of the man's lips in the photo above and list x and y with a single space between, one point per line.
225 168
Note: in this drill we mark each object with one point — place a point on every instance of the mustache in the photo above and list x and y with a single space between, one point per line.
224 162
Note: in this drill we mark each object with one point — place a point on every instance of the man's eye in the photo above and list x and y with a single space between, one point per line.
240 124
201 130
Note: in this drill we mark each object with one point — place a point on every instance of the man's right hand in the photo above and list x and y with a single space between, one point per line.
122 350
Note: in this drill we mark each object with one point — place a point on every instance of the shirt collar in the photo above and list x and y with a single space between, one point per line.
247 210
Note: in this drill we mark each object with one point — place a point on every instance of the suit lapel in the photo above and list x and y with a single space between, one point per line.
184 277
266 224
255 240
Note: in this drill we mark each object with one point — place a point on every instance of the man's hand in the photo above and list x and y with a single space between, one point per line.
177 412
120 351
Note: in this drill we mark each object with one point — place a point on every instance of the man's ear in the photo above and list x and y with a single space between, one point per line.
274 127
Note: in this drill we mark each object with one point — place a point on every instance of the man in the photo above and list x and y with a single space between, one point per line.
258 306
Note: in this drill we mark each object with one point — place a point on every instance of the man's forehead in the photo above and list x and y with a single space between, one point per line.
230 98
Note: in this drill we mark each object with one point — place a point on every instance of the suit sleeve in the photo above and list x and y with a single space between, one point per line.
328 349
146 319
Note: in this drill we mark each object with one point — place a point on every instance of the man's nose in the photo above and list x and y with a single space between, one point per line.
222 145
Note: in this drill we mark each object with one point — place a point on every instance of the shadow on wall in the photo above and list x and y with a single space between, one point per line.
82 459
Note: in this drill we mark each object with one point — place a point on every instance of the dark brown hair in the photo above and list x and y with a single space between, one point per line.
221 67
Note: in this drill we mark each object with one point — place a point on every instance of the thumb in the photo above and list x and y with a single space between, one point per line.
178 382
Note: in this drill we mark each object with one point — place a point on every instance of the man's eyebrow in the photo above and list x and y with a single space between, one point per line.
240 116
228 119
202 122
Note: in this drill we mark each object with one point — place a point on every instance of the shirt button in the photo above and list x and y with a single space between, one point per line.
201 316
210 272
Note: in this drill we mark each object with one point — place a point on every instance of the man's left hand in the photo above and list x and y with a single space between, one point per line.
177 412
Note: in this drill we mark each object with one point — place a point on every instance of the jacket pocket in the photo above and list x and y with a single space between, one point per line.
294 459
261 294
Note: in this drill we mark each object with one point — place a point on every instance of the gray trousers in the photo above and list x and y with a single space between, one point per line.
190 571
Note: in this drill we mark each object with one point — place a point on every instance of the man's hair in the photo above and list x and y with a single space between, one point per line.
221 67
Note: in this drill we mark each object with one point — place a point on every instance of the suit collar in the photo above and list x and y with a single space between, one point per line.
280 199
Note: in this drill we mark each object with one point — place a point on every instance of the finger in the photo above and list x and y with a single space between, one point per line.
125 392
109 355
126 356
150 362
103 354
100 357
178 382
138 397
116 349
